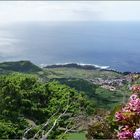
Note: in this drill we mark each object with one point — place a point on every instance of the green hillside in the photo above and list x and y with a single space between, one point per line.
80 79
19 66
77 78
57 103
79 73
103 98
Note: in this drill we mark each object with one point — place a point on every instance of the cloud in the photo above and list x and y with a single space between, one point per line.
19 11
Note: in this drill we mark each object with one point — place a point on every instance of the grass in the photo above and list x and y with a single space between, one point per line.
19 66
77 78
76 136
79 73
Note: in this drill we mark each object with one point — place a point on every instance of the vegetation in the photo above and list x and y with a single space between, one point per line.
101 126
103 98
122 123
19 66
57 103
79 73
30 108
128 117
76 136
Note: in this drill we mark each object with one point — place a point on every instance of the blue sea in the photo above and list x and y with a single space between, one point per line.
114 44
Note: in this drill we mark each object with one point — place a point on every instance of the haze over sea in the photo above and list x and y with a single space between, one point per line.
114 44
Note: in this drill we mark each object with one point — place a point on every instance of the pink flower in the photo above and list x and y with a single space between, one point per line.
129 115
119 116
126 109
134 105
125 134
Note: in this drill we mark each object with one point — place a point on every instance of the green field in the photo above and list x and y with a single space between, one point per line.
79 79
78 73
76 136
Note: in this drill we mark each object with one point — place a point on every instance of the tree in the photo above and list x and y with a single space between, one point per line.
38 109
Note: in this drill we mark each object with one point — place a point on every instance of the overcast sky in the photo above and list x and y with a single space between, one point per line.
24 11
18 11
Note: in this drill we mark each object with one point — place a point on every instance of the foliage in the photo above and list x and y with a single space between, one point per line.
128 118
101 126
33 107
80 85
125 125
102 98
81 80
19 66
7 130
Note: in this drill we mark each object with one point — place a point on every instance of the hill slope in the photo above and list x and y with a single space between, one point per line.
106 88
19 66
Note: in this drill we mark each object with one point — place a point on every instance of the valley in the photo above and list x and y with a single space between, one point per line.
39 93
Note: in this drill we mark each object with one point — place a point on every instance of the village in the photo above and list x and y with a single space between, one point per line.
115 83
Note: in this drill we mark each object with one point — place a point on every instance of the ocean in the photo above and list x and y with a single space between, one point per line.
114 44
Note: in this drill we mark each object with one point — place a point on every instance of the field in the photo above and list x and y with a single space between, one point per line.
76 136
79 79
79 73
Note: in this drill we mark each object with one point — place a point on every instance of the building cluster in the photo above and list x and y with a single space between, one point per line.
113 84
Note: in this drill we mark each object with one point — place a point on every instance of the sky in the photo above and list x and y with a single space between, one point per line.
38 11
24 11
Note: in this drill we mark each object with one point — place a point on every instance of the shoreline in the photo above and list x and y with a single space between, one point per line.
86 66
75 65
